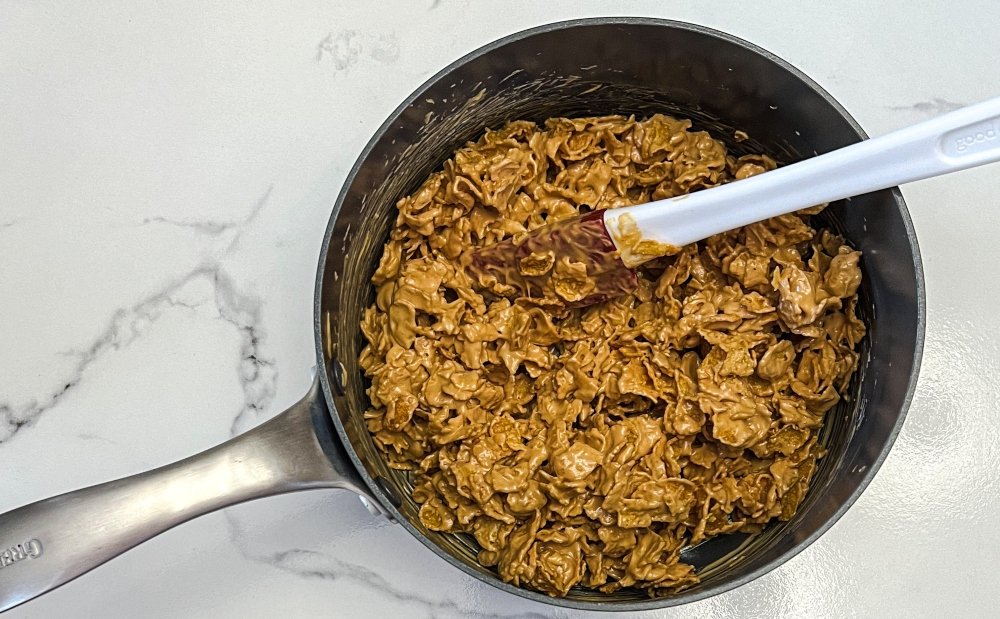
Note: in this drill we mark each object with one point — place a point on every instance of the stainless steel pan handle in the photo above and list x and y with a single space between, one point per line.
49 543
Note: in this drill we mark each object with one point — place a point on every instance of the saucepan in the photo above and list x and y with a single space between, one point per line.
584 67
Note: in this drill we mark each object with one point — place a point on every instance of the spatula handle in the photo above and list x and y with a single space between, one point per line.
961 139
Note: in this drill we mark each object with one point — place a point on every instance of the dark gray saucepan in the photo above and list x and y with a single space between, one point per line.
594 66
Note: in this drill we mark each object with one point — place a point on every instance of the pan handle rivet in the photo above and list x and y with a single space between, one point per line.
389 490
337 372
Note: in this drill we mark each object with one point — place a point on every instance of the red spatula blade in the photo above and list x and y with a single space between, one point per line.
528 267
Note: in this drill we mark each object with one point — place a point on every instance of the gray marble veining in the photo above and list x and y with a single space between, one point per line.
257 373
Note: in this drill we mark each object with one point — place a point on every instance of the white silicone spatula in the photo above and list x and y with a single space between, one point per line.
958 140
633 235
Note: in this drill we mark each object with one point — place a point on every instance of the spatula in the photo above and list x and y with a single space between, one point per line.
611 243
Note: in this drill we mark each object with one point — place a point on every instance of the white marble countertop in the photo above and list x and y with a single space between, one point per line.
166 172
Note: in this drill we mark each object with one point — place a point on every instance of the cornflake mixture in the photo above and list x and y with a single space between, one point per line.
587 447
